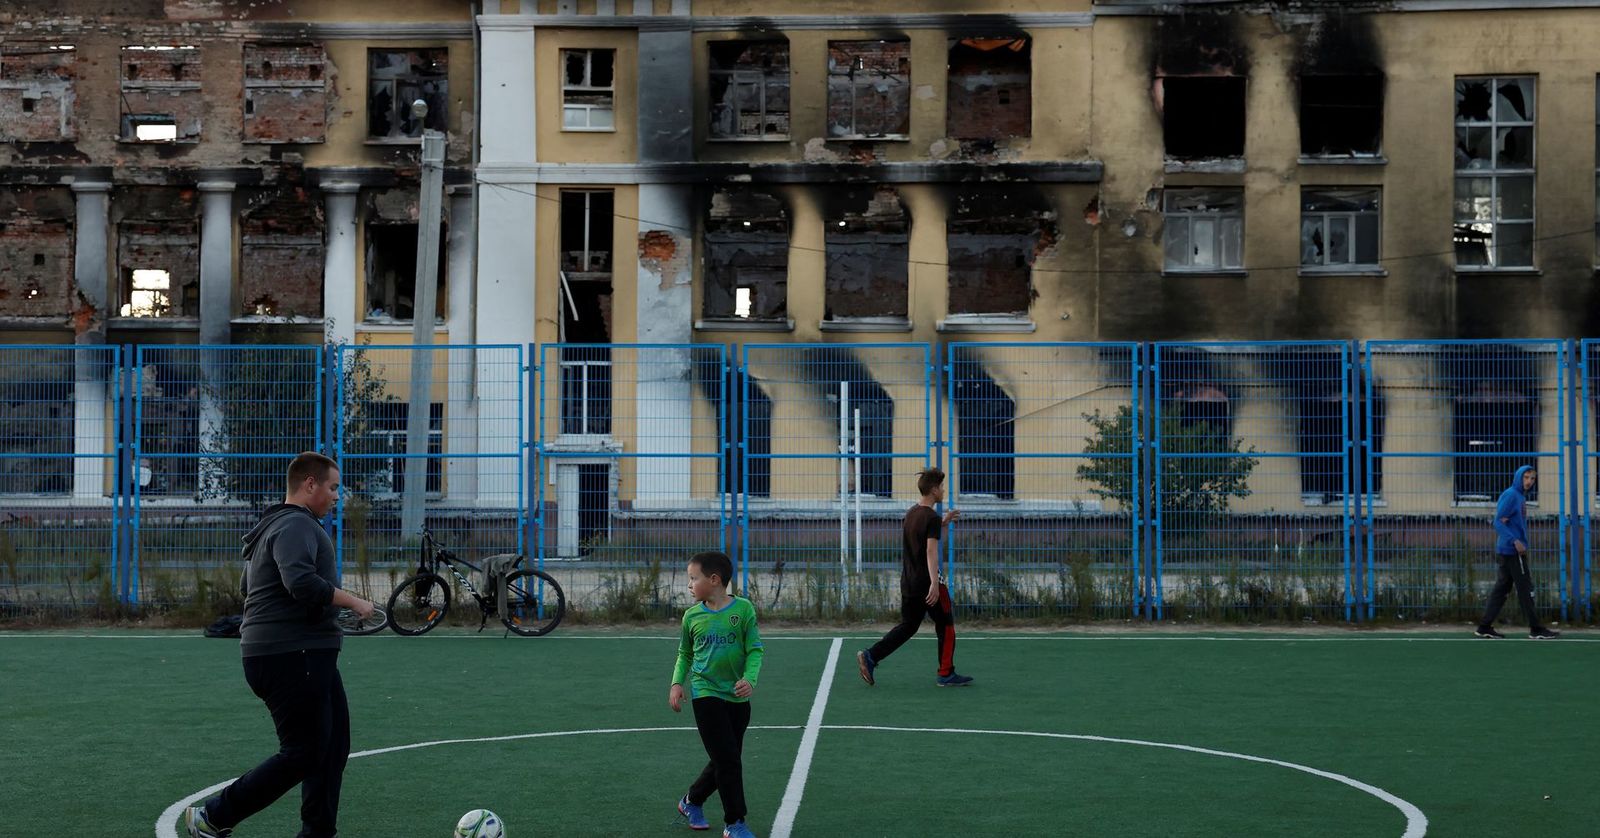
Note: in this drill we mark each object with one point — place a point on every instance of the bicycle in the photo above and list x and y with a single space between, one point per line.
354 624
534 603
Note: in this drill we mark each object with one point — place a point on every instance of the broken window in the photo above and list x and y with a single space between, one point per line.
1494 172
869 89
161 96
750 431
392 271
1494 424
1338 228
1315 382
160 269
36 92
990 89
986 428
867 245
829 367
588 90
1597 172
1204 229
749 90
37 408
387 421
586 389
1341 116
746 255
36 248
281 254
1202 116
994 235
396 79
585 289
285 93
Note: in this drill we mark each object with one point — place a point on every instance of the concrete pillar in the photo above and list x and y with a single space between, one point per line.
644 8
216 329
461 409
91 373
339 263
508 247
665 391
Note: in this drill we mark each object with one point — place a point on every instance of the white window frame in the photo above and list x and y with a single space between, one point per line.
588 88
1217 222
1349 218
1496 175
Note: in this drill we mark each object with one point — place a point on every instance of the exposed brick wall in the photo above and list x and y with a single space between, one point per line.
37 280
281 253
990 91
36 93
286 95
874 99
163 82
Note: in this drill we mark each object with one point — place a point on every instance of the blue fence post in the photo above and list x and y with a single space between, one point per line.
1586 375
126 481
744 468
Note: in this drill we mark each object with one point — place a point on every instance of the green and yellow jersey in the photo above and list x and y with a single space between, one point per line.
717 648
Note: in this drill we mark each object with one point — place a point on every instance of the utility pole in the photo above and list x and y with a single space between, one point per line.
423 313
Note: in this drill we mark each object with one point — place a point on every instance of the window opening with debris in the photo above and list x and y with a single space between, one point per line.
1204 229
1339 228
993 238
586 296
1341 116
281 253
868 255
159 266
1202 117
388 431
588 90
749 90
285 93
1494 215
162 100
869 89
986 431
746 255
1495 419
37 92
392 272
397 78
990 89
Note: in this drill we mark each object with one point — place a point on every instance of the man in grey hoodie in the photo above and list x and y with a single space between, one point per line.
1511 550
290 642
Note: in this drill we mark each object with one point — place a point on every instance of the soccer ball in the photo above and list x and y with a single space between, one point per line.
480 823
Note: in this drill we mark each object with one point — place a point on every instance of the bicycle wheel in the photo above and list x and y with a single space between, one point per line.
418 604
534 603
352 623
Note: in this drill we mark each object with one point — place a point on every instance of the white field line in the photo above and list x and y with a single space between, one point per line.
965 638
784 823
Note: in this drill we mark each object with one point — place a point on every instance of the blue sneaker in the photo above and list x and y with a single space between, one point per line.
865 664
953 680
194 820
695 814
737 829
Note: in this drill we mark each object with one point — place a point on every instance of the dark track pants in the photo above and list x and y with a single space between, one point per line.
1513 573
305 695
913 608
722 725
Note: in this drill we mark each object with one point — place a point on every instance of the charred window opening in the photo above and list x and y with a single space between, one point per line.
285 93
868 251
746 256
986 431
990 90
161 96
1494 172
749 425
1339 228
993 238
749 90
588 90
1597 176
1194 389
36 419
37 92
869 89
1204 229
395 79
392 271
1495 419
586 248
1202 117
1316 383
1341 116
36 248
159 265
388 430
281 254
829 367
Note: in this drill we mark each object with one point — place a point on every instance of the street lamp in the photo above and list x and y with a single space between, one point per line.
430 213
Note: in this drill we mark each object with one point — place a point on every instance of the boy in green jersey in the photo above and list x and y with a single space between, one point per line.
719 657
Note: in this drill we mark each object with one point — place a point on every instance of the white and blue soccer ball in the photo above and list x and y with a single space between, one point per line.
480 823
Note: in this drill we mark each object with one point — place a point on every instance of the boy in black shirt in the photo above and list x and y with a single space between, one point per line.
922 593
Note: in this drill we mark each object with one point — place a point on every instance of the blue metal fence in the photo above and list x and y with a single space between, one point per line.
1045 467
1588 488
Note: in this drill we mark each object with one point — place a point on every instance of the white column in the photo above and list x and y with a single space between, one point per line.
216 329
92 276
508 247
461 411
644 8
665 394
339 262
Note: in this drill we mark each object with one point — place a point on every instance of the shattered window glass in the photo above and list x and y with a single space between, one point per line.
588 93
1204 229
1339 227
749 83
1495 161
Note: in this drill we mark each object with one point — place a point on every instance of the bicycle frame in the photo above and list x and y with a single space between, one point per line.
434 554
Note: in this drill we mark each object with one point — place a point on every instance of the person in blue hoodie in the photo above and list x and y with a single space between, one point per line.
1511 551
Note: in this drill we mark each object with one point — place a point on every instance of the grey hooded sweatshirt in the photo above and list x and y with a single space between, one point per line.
289 585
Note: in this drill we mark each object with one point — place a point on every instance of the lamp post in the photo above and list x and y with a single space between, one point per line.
424 298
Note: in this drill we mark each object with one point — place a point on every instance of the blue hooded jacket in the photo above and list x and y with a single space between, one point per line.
1510 522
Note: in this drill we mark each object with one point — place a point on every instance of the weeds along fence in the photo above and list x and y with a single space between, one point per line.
1262 481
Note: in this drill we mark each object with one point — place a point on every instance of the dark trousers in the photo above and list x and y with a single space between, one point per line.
913 608
303 692
722 725
1513 573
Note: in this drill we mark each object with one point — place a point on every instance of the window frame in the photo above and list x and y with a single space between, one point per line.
1496 175
1351 218
438 119
854 85
737 76
588 88
1218 218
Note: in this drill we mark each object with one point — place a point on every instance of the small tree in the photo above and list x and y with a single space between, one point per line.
1187 483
